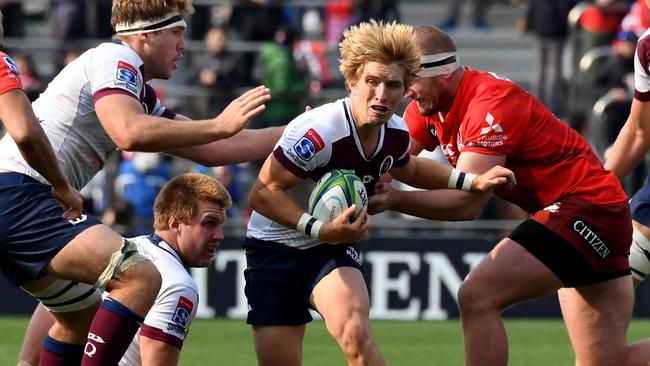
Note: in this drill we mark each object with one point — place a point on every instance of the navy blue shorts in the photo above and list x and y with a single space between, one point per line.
640 204
32 230
280 279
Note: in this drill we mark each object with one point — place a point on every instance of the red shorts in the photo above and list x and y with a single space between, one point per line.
579 241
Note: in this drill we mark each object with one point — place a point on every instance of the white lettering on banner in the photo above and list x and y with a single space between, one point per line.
200 275
385 283
381 284
240 310
441 271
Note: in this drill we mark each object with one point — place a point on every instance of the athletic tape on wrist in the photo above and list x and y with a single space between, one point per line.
309 225
460 180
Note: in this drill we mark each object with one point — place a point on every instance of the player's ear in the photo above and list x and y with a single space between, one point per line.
174 225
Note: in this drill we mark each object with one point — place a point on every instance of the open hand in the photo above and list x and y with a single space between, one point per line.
241 110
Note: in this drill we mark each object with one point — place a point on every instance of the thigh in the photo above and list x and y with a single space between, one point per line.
32 230
87 255
279 345
597 317
510 274
340 294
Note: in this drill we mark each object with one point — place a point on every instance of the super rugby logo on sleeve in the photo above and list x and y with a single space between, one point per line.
14 71
183 312
127 76
309 144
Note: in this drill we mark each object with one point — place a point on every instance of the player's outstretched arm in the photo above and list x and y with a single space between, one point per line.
444 204
21 124
246 145
632 142
131 128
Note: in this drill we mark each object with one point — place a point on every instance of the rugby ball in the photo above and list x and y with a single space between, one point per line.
334 192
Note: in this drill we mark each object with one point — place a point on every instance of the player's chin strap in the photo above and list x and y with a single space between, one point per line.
438 64
170 20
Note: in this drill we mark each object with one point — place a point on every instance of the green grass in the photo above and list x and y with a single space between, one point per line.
228 342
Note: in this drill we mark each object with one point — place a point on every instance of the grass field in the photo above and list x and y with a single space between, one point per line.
228 342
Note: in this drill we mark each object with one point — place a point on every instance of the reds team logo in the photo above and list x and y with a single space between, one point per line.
127 73
309 144
183 312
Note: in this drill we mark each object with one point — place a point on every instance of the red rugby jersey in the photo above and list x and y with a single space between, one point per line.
9 74
492 115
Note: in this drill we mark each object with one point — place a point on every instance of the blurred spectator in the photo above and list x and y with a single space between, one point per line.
230 177
364 10
615 79
600 23
280 72
140 177
637 20
338 15
547 21
67 19
28 76
218 70
618 71
13 21
479 16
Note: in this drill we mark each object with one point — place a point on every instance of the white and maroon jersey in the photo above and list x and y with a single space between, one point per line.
321 140
642 68
175 306
66 110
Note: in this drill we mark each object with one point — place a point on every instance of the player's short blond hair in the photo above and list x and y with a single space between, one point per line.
131 11
180 198
379 42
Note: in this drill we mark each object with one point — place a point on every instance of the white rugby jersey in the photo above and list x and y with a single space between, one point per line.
642 68
66 110
175 306
321 140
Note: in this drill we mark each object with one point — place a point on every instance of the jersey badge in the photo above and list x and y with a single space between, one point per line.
127 73
496 127
386 165
309 144
14 71
183 312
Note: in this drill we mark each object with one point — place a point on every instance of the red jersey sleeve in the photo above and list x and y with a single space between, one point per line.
419 127
9 74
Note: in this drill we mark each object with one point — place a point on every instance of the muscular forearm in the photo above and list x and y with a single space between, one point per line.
441 204
275 205
628 150
247 145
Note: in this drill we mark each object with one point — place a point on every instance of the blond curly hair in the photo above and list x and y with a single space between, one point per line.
379 42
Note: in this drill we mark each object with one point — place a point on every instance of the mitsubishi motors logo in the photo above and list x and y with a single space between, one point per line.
491 125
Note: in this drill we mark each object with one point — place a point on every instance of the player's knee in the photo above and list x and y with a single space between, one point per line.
471 297
639 256
133 270
353 335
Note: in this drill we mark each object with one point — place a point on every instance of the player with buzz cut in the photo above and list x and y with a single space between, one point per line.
99 103
296 262
189 212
